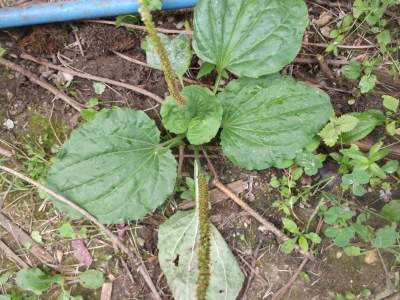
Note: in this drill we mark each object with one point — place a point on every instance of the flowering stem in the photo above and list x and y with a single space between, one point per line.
162 53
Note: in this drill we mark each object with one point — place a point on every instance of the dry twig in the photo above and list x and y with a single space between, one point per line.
32 77
92 77
269 226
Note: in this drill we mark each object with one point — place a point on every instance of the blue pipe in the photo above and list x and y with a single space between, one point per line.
75 10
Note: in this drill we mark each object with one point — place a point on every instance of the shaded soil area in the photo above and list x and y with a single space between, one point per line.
42 121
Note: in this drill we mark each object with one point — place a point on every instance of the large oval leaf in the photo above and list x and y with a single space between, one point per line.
110 166
200 118
178 247
270 119
249 37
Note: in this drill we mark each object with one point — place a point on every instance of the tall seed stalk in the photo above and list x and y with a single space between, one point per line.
162 53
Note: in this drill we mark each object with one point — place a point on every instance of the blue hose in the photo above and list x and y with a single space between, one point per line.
75 10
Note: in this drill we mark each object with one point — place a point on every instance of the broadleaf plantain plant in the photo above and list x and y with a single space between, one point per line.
116 168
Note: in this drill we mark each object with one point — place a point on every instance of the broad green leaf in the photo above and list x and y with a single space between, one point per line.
4 278
249 37
391 211
111 168
268 120
5 296
178 241
367 83
352 251
352 70
91 279
200 118
290 225
390 103
348 232
330 133
35 280
386 237
206 68
379 155
178 49
297 174
367 122
288 246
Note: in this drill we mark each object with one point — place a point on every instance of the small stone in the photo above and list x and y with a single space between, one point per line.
59 255
339 254
170 19
251 197
9 124
179 25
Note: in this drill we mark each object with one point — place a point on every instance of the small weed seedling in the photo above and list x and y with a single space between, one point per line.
37 281
299 236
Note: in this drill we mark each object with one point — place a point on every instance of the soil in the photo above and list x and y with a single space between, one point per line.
38 116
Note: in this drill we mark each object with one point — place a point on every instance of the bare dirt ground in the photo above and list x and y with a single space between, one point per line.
42 120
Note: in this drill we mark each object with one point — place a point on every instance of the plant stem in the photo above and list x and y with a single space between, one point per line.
217 81
162 53
168 144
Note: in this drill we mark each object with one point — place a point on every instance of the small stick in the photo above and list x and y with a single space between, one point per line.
113 237
271 227
323 45
92 77
32 77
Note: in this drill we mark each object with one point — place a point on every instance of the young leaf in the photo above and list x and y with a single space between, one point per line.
367 83
290 225
119 176
91 279
35 280
310 162
391 211
3 52
153 4
249 37
178 247
386 237
130 19
36 236
67 231
332 232
383 39
88 114
206 68
99 88
200 118
266 121
367 122
315 238
303 243
288 246
390 103
352 251
336 126
178 49
92 102
352 70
